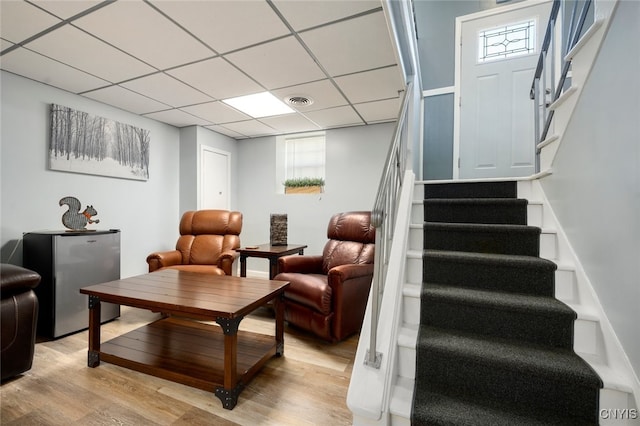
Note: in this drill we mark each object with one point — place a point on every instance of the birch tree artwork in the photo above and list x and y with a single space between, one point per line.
84 143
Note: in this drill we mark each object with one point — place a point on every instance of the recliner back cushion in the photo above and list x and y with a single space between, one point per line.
205 234
337 253
351 240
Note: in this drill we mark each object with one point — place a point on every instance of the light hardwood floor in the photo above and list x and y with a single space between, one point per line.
307 386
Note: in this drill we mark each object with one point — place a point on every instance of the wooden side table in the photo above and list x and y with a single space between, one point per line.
267 251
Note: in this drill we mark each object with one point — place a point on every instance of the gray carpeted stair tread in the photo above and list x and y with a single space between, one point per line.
553 365
477 201
500 272
434 409
483 227
544 306
541 320
519 261
505 189
483 238
476 210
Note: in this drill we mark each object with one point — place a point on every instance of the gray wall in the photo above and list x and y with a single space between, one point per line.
435 21
595 185
354 161
145 211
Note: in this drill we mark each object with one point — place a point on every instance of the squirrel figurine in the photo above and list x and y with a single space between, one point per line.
73 218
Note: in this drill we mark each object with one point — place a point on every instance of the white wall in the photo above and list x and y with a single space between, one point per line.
595 185
146 212
354 160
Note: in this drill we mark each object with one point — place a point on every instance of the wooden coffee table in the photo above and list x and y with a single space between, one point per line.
180 348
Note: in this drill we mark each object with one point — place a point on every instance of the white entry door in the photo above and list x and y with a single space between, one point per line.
498 55
214 179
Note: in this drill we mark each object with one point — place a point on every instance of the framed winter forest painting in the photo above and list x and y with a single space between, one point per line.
85 143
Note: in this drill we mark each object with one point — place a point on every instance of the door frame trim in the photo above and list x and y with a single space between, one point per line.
457 69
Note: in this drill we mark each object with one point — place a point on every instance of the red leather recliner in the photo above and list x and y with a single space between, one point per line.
328 294
19 308
207 243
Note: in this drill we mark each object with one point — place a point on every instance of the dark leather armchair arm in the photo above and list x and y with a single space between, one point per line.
226 259
301 264
342 273
16 279
163 258
350 285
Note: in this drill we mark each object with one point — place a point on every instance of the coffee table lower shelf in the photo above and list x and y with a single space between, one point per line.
188 352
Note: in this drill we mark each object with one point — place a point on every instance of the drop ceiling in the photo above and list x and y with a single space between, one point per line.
175 60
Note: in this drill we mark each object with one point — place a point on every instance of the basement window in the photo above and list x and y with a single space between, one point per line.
300 157
507 41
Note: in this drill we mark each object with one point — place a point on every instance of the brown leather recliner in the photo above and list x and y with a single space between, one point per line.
19 310
207 243
328 294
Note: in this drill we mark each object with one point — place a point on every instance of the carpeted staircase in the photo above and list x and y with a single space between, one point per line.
494 347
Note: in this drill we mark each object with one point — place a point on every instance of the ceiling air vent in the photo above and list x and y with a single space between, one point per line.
298 100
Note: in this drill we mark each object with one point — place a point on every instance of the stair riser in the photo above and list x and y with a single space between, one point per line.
407 362
521 390
535 215
415 238
508 278
567 286
514 213
413 269
549 245
556 331
588 339
521 243
411 310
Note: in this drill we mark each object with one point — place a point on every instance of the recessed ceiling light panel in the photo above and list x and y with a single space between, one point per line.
259 105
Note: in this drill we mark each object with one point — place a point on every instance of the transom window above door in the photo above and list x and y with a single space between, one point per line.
507 41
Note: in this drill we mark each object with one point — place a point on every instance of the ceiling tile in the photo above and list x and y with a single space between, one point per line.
177 118
251 128
216 112
166 89
277 64
67 9
225 131
372 85
290 123
216 77
354 45
379 111
307 14
29 64
4 44
335 117
323 93
175 60
20 20
126 99
80 50
140 30
244 22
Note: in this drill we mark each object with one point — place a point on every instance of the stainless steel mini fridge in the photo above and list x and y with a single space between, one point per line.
68 261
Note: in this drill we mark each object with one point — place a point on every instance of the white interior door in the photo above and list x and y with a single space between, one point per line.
498 55
214 179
